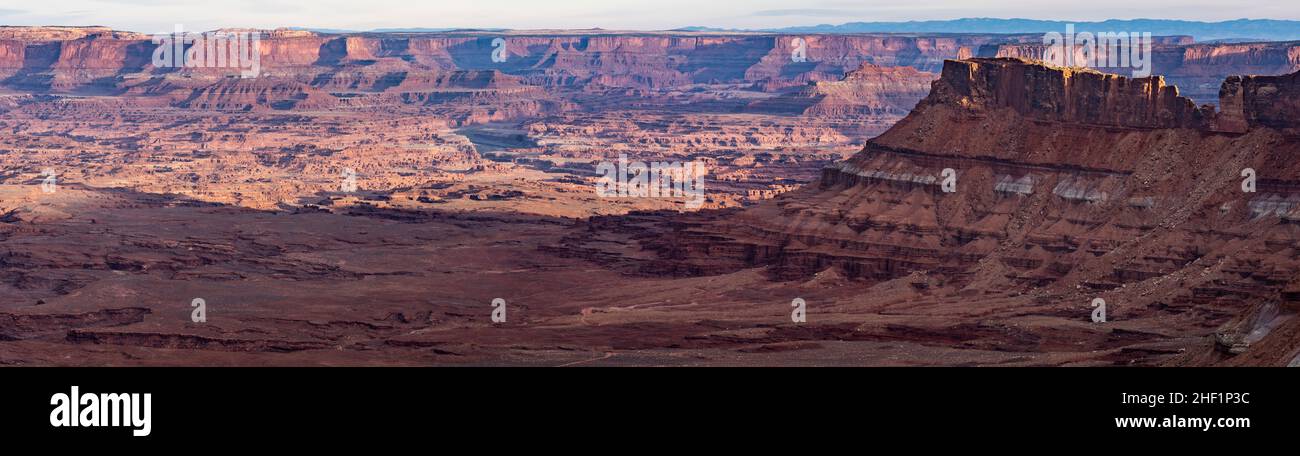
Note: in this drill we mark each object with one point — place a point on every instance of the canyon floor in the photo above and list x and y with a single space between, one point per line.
107 277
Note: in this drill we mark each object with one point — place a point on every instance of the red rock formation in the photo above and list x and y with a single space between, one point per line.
1273 102
867 90
246 94
73 57
1064 95
1067 185
102 61
1197 69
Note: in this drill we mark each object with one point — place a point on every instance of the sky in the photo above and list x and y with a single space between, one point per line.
150 16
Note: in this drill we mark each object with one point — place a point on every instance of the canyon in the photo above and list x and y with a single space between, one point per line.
367 196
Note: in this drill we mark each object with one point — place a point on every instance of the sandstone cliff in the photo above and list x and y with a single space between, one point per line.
1196 68
1064 95
1249 102
99 61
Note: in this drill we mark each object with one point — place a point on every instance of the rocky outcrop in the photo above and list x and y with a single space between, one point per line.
1196 68
233 94
869 90
1249 102
1022 180
1081 96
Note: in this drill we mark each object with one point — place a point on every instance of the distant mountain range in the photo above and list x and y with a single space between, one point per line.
1235 30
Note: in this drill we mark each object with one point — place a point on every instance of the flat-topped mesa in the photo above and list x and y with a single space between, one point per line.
1248 102
70 59
1024 111
1038 91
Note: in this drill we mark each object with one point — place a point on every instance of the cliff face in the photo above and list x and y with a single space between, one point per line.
99 61
1062 186
1064 95
305 69
80 56
1197 69
1249 102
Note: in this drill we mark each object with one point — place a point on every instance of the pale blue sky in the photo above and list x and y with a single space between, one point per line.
160 15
